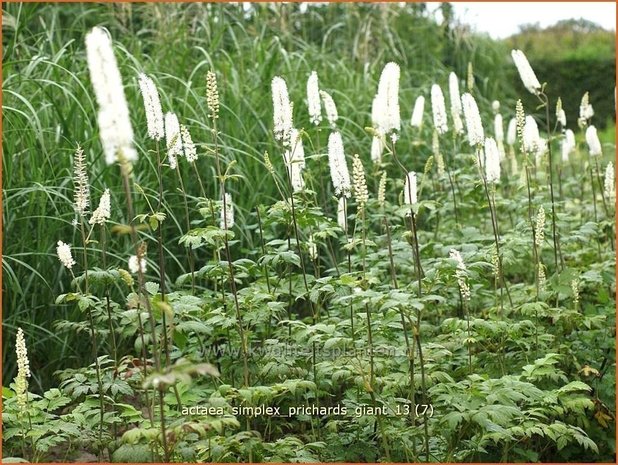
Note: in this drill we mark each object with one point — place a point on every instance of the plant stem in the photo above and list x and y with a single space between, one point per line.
228 255
125 169
257 211
544 99
190 256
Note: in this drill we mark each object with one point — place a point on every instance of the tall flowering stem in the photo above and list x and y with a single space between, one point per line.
117 140
533 85
395 284
555 235
21 387
461 274
411 199
212 99
361 195
174 145
490 175
63 251
297 151
100 217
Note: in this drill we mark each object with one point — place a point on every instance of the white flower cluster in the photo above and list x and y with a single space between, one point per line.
103 211
314 105
115 128
152 106
461 273
474 124
361 193
80 182
385 108
227 212
135 265
187 144
173 139
492 161
526 73
586 112
417 113
539 229
456 108
64 254
594 144
610 183
339 173
438 107
567 145
23 370
282 110
329 108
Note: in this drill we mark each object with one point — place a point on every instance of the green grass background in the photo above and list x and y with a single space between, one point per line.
48 108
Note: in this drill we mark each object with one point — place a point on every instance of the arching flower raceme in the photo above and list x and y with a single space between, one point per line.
520 119
135 265
594 144
173 139
511 132
526 73
115 128
610 182
188 146
282 110
81 187
492 161
64 254
385 110
339 173
539 229
314 104
212 95
329 108
456 110
417 113
103 211
438 108
361 193
560 114
23 370
227 212
152 106
531 139
461 273
586 112
474 125
409 189
567 145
